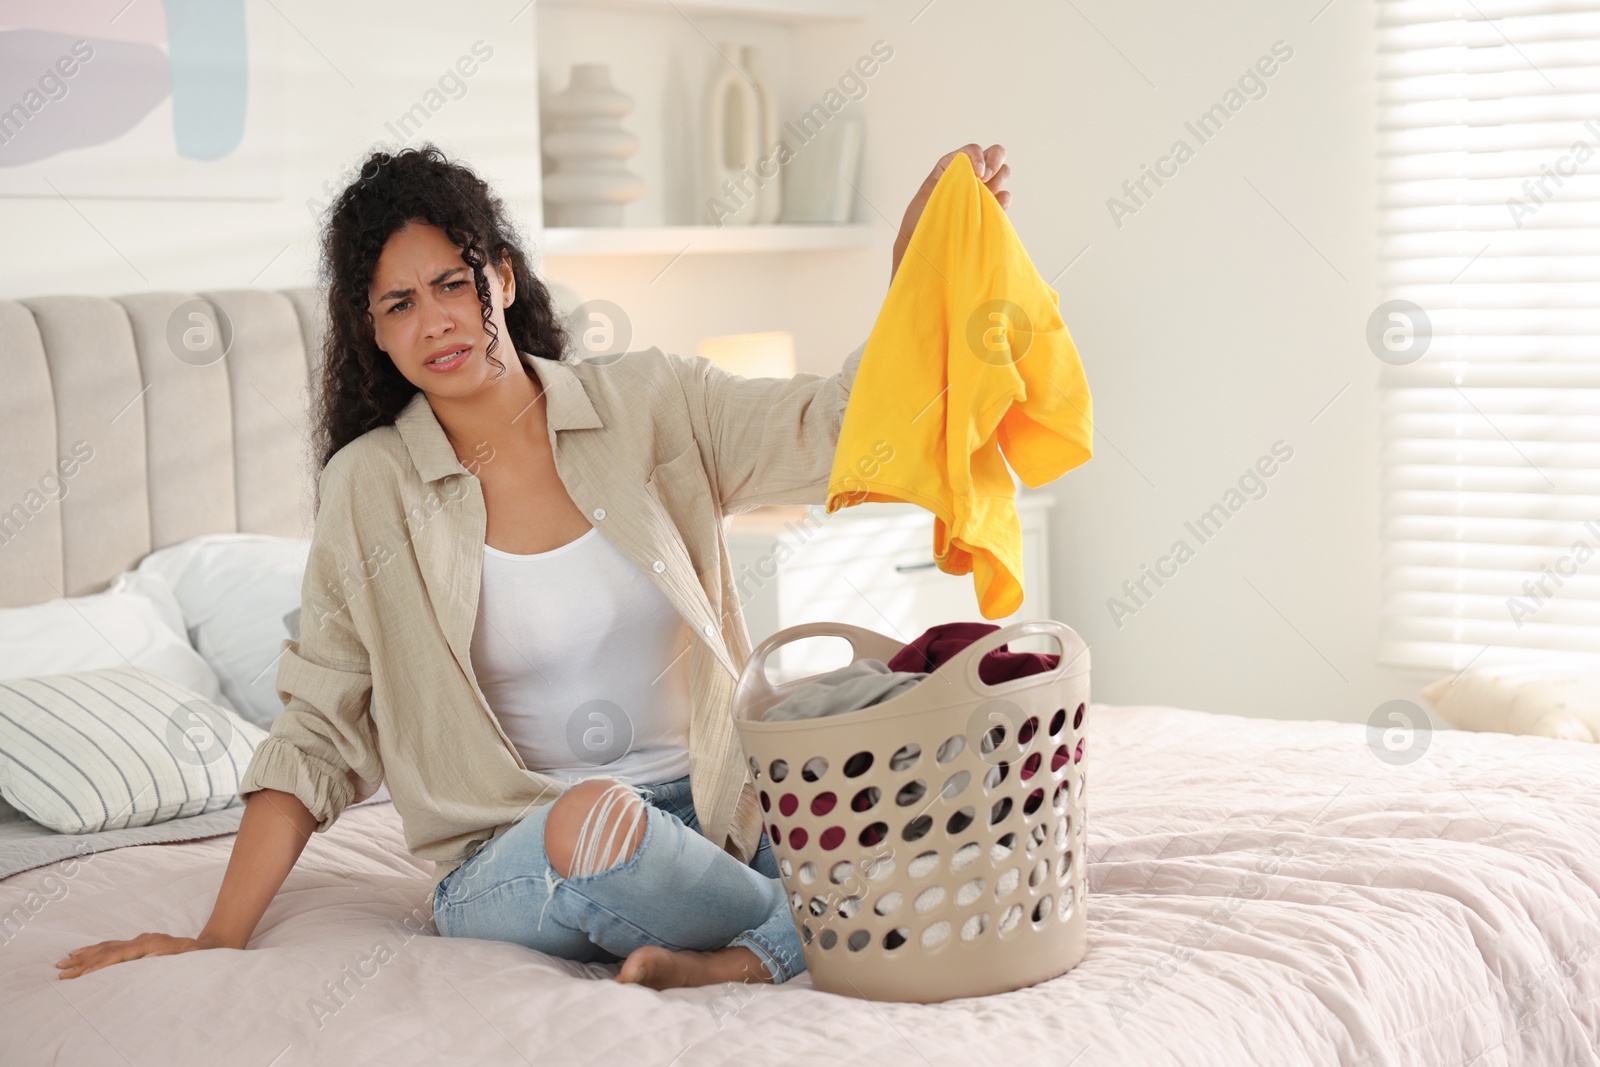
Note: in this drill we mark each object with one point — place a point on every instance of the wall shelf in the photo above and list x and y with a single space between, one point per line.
780 10
676 240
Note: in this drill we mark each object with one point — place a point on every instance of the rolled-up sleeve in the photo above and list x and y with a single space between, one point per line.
322 747
771 440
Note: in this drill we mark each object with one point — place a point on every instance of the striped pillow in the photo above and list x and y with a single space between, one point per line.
117 747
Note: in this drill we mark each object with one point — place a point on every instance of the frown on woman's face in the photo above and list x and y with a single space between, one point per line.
424 307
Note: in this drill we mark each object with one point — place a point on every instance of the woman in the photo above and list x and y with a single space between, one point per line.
508 568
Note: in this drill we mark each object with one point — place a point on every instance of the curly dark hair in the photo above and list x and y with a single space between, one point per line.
358 387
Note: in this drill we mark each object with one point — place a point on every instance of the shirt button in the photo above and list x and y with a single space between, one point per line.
708 630
659 566
599 513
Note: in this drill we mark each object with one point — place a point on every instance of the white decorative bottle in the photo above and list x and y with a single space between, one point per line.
588 185
769 176
733 134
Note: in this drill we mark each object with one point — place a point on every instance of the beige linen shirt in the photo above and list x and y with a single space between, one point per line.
655 449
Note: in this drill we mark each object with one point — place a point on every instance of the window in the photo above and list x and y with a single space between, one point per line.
1489 166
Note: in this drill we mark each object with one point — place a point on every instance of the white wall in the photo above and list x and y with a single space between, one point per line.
1218 319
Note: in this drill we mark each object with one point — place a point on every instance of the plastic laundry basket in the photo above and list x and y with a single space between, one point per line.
932 845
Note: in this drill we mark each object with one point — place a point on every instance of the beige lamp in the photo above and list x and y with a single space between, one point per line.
752 355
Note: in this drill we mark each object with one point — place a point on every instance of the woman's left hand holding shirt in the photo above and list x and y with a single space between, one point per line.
988 164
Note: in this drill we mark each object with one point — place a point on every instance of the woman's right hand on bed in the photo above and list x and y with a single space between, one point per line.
93 957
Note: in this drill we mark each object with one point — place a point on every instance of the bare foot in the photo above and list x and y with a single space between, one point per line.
662 968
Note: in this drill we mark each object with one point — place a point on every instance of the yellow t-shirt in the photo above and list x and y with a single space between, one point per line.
968 359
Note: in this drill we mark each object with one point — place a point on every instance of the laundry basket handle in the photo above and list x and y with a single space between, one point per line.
1074 651
755 693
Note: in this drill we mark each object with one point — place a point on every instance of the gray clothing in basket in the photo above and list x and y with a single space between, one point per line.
859 685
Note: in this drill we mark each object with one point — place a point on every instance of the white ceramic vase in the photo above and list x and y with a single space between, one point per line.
733 128
588 183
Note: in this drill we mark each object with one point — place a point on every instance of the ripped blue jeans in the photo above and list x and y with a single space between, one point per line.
677 890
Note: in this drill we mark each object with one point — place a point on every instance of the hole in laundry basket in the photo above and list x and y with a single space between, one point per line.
1059 800
805 933
1001 809
954 785
929 898
766 801
1064 866
1041 910
775 834
1057 721
923 864
797 837
1036 837
1003 847
1060 758
911 792
1026 731
1061 833
780 770
936 933
888 902
964 856
873 833
859 940
1030 766
895 938
917 828
950 749
968 892
755 767
960 820
817 906
823 803
903 759
840 872
996 774
814 768
831 838
857 765
849 906
808 872
864 800
992 739
1068 895
1035 799
880 868
796 901
974 926
788 803
829 938
1012 916
1077 794
1006 882
1077 757
1040 872
1077 717
784 867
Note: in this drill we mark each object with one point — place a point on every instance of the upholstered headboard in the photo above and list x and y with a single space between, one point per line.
115 442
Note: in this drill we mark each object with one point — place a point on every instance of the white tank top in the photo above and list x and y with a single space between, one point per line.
584 662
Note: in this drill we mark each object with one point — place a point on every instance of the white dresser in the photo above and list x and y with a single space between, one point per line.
870 565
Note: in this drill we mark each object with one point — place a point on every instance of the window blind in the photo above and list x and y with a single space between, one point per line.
1489 168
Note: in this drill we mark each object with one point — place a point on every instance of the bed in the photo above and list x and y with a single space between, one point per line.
1260 891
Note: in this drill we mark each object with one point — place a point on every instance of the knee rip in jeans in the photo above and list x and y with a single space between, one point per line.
588 849
616 814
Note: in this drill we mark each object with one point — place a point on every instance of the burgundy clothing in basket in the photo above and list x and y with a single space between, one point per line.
939 644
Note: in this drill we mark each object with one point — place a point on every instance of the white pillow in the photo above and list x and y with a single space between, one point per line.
1549 700
239 593
135 621
107 749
